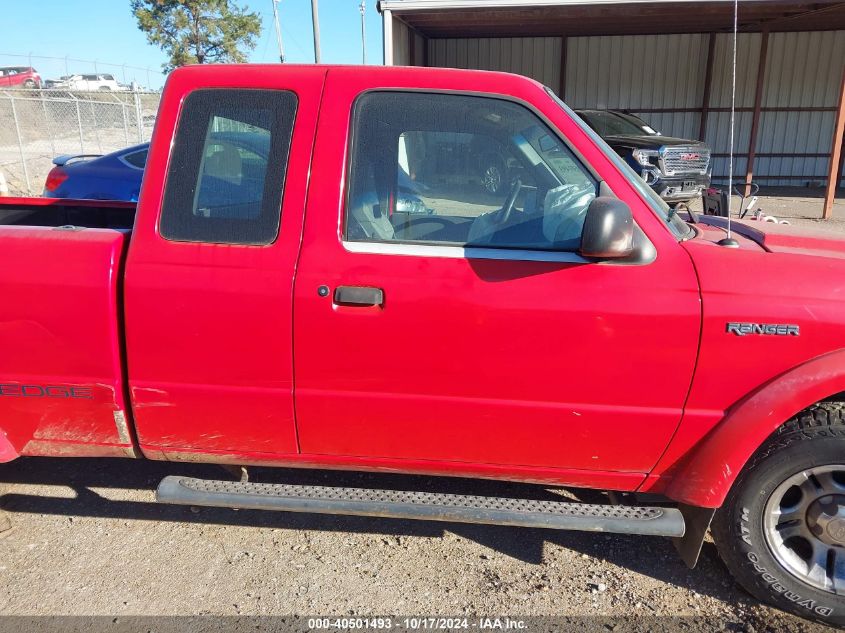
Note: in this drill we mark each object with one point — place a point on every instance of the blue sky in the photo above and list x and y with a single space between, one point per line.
105 31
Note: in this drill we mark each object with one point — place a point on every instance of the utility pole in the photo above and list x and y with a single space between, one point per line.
363 9
278 31
316 25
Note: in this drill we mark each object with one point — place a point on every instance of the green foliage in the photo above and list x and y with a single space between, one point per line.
198 31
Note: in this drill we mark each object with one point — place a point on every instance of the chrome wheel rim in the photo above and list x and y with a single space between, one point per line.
492 179
804 527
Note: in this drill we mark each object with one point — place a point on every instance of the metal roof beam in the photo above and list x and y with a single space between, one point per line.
438 5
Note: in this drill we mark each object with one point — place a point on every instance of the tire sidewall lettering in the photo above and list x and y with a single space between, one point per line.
774 584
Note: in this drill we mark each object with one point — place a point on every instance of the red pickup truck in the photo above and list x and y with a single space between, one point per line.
271 304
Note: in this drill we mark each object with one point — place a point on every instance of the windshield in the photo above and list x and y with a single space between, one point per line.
678 227
616 124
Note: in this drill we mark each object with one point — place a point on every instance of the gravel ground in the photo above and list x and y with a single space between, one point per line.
84 537
800 206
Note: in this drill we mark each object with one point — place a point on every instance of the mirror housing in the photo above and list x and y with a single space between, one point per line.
608 231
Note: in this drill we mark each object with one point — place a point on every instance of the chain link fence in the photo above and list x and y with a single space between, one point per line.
38 125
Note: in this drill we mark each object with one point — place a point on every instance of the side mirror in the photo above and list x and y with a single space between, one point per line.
608 231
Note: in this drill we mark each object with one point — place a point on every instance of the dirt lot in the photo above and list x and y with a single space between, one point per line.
85 537
800 206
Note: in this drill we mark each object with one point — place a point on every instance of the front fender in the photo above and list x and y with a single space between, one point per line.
705 475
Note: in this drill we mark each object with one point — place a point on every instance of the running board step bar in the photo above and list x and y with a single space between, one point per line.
427 506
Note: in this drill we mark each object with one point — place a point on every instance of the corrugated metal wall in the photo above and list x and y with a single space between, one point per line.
536 57
719 123
662 77
401 43
408 45
803 70
638 73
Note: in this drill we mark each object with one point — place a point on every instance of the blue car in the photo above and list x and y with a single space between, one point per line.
115 176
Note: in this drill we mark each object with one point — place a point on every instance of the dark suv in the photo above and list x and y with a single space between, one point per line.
677 169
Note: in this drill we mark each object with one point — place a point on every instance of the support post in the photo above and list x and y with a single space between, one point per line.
708 82
315 23
755 121
139 119
835 154
125 123
20 145
79 127
363 9
562 84
278 32
387 17
96 126
47 122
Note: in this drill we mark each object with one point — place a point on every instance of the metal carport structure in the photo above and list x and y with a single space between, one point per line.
666 60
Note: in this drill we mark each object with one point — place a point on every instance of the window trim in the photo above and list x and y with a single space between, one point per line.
281 200
451 250
122 158
447 251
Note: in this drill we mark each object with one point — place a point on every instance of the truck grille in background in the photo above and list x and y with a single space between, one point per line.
675 161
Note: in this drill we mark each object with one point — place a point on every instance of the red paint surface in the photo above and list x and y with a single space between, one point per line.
590 375
209 326
59 327
505 362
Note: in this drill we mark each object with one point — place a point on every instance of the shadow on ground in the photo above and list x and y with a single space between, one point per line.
654 557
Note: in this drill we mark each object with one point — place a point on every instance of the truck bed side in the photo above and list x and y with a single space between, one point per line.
61 376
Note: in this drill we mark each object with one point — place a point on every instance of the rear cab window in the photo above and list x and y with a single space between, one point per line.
227 168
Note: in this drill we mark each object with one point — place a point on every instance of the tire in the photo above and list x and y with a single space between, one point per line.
494 176
786 510
29 83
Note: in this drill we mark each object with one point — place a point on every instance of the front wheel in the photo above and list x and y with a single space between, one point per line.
781 531
29 84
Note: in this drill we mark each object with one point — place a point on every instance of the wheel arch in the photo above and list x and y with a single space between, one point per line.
705 475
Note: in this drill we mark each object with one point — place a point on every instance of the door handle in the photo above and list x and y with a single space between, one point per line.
358 296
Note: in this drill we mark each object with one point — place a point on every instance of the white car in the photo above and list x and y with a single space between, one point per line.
90 82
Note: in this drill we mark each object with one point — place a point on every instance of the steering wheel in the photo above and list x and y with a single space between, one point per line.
505 213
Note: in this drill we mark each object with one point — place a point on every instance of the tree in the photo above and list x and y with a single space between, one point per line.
198 31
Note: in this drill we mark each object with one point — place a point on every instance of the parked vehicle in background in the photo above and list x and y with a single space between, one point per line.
118 175
94 82
677 169
270 305
115 176
19 77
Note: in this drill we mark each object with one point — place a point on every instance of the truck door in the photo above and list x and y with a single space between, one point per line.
208 285
442 319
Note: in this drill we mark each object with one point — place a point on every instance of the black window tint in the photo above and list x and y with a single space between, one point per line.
463 171
228 165
137 159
